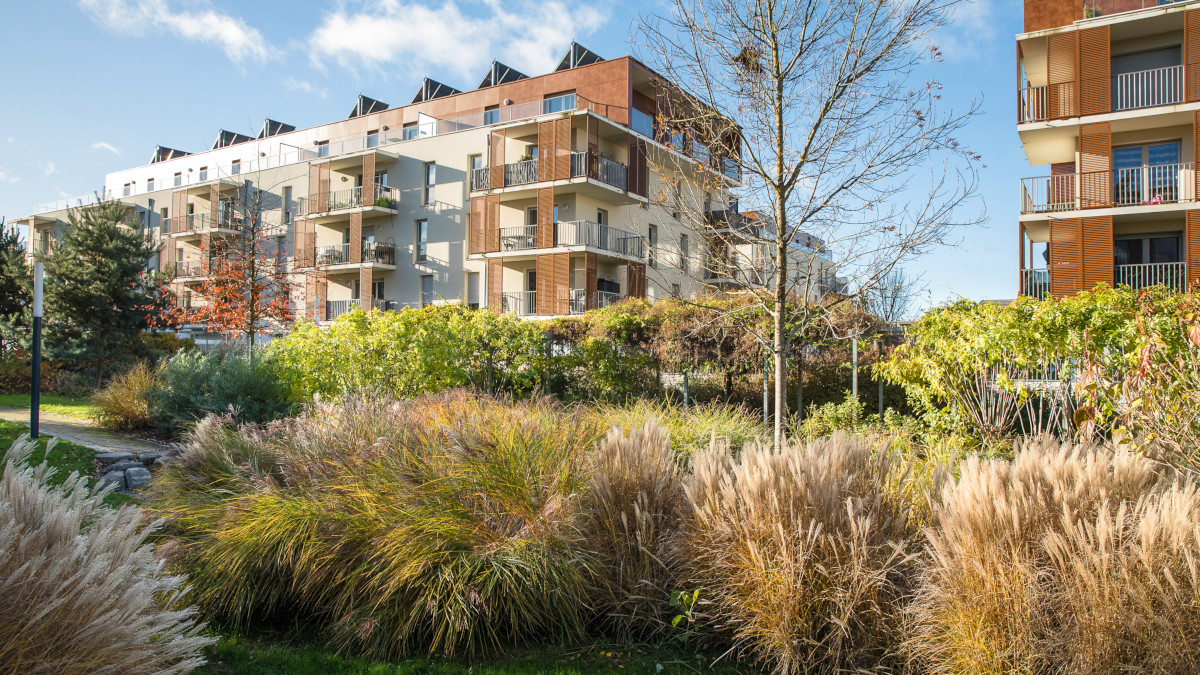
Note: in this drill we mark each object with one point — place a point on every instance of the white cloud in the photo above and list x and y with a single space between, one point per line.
528 35
239 41
972 27
101 145
7 177
50 169
304 87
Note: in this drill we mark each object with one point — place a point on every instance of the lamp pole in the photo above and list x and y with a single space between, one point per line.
36 393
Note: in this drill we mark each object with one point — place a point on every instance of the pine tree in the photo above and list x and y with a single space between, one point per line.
99 292
14 287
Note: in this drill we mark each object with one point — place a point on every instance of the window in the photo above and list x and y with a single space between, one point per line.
478 177
531 151
491 115
125 191
287 205
1146 173
426 290
162 216
675 292
373 138
473 289
149 185
381 178
322 148
1147 249
531 216
422 234
204 173
602 216
476 162
377 290
684 253
652 237
235 168
558 103
430 182
178 178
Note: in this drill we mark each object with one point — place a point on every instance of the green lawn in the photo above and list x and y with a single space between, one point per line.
242 656
60 405
67 457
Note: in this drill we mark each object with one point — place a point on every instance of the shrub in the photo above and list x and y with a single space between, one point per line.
80 590
802 553
123 403
1067 558
633 508
192 385
689 428
439 524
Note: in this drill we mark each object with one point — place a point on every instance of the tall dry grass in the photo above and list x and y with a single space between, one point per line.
80 590
443 524
123 403
1068 558
802 553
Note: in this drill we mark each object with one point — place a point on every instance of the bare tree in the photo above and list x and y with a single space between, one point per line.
819 109
892 298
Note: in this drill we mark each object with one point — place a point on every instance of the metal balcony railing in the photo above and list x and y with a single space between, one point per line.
223 219
384 305
481 178
1145 185
1035 283
336 308
599 168
336 254
349 198
518 238
1031 104
378 252
523 303
188 268
521 173
1148 88
603 237
1173 275
578 300
1128 91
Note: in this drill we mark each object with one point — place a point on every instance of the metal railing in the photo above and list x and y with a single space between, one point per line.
578 300
383 305
1145 185
603 170
1097 8
1173 275
519 302
1148 88
350 198
336 254
1031 104
481 178
1035 283
595 235
378 252
188 268
521 173
223 219
336 308
518 238
579 164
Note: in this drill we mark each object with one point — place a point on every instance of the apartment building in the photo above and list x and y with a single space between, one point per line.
1109 108
533 195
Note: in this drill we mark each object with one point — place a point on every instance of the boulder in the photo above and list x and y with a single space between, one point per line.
109 458
137 478
122 465
148 458
114 478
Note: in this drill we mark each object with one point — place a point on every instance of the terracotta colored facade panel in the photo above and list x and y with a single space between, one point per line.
368 177
590 285
1097 251
1043 14
545 217
1095 71
1192 235
562 284
1062 63
546 145
496 158
356 237
635 280
477 226
1095 165
544 271
495 283
1066 257
491 224
1191 55
562 148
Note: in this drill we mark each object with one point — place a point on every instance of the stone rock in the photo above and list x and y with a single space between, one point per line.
137 477
148 458
115 478
163 461
108 458
123 465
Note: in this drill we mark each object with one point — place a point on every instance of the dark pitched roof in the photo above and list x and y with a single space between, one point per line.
431 89
577 55
365 106
499 73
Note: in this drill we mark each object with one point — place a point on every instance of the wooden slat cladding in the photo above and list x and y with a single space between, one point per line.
1062 68
562 148
590 282
496 159
637 175
1097 251
364 287
635 280
562 283
1195 150
495 283
1095 68
1191 55
1066 257
368 173
544 271
1192 236
491 224
546 145
305 251
356 237
545 217
316 287
1095 165
318 188
476 226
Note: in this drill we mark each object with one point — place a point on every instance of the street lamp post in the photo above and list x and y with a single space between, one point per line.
36 389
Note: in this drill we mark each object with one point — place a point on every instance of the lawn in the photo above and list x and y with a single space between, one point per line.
66 457
242 656
81 408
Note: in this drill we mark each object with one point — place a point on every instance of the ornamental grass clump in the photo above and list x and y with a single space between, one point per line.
123 403
444 524
1068 558
80 589
801 555
691 428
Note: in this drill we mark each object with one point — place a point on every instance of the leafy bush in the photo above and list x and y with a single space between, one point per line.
437 524
124 404
803 553
1068 558
689 428
192 385
850 416
80 590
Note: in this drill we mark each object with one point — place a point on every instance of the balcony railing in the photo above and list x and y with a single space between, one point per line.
384 305
336 254
1098 8
522 303
1129 91
375 252
1145 185
518 238
188 268
578 300
223 219
603 237
349 198
599 168
336 308
1031 104
481 178
1035 283
1173 275
521 173
1148 88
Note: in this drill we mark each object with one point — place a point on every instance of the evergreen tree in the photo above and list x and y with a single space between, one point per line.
99 292
14 287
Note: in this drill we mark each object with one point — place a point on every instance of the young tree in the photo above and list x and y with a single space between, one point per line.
14 284
99 290
819 108
245 282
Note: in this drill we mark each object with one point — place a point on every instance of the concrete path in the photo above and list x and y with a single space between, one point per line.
82 432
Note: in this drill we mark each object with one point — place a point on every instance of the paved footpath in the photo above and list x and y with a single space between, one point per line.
82 432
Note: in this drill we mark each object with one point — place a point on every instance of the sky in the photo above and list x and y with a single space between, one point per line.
92 86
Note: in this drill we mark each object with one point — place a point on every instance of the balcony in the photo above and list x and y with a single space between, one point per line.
1129 91
522 303
206 221
373 253
188 268
578 300
597 235
1035 283
1147 185
583 165
1097 8
384 197
518 238
1173 275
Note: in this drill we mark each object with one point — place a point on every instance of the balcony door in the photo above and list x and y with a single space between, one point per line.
1148 249
1146 174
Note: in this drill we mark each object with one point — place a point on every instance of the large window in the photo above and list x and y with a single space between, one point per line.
426 290
422 240
430 182
1148 249
1146 174
558 103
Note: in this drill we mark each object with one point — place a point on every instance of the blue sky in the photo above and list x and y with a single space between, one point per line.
91 86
